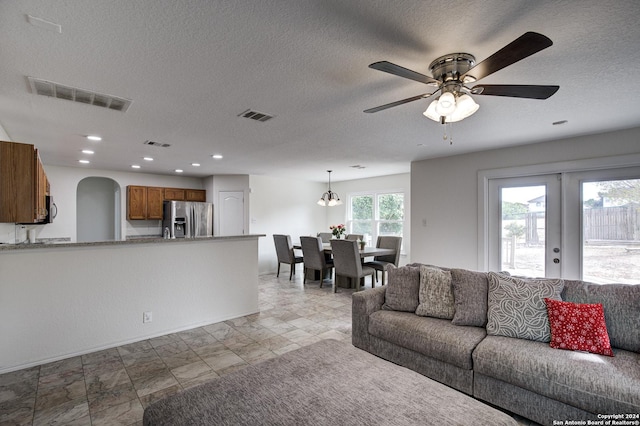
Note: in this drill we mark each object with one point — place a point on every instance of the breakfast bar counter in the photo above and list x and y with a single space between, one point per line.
67 299
54 243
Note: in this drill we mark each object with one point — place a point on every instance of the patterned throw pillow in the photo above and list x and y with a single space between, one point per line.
578 327
516 306
436 293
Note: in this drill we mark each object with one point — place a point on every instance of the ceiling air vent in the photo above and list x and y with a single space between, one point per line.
60 91
255 115
158 144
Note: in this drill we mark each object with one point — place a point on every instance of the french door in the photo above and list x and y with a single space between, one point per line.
576 225
525 225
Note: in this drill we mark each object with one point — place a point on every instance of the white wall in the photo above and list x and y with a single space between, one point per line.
283 206
444 191
59 302
64 183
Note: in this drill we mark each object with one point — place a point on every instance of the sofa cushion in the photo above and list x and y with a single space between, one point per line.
578 327
470 295
436 294
403 286
591 382
621 304
433 337
516 307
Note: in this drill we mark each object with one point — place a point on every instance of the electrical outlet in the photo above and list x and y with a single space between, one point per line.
147 316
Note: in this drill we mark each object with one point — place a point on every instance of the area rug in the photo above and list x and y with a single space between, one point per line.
327 383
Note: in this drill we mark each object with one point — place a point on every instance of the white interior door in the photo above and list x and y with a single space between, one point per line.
525 225
231 212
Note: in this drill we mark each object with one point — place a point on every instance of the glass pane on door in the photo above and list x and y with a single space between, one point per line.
523 227
611 231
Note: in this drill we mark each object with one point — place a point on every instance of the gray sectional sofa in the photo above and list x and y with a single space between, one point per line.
468 347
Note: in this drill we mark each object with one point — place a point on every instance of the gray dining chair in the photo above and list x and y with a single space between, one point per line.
355 237
382 263
284 251
347 263
326 236
314 258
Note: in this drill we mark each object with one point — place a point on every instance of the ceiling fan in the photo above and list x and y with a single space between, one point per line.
453 72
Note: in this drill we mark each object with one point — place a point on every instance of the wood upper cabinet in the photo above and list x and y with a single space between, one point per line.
174 194
196 195
23 184
136 202
146 202
155 197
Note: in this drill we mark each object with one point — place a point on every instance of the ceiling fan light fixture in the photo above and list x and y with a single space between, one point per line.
465 107
446 104
431 111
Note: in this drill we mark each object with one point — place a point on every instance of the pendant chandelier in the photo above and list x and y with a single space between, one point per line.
329 198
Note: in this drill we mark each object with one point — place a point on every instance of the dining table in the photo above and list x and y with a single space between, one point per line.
364 252
367 251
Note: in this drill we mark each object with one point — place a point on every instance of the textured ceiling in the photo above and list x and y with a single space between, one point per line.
190 67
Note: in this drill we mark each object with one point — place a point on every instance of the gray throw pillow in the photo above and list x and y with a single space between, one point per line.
470 295
403 286
516 306
621 304
436 293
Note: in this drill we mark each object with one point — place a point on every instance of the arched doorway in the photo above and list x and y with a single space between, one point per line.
97 210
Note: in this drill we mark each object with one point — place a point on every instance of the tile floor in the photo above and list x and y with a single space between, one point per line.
112 387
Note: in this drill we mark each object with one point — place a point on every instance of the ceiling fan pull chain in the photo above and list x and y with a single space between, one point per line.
448 127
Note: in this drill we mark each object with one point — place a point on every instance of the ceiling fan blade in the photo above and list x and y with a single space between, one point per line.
402 72
522 47
396 103
515 90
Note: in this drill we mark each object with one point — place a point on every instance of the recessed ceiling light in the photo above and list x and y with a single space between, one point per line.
217 156
179 170
83 161
87 151
135 166
147 159
94 138
195 164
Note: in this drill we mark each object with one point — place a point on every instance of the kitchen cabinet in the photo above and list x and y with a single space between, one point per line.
155 197
136 202
174 194
23 184
144 202
196 195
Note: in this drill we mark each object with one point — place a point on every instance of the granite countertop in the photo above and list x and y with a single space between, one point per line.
143 240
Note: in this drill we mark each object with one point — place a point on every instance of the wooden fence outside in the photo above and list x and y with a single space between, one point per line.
612 223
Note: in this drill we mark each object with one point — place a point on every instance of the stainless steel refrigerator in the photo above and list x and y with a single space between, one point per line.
187 219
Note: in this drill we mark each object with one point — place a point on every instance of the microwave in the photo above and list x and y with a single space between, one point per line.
52 209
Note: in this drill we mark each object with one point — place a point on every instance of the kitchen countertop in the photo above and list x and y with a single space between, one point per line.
153 240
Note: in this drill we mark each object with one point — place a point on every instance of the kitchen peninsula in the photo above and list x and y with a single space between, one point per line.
62 300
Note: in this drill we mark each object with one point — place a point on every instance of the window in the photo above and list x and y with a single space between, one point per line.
374 214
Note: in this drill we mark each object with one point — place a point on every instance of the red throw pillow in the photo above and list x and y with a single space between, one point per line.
578 327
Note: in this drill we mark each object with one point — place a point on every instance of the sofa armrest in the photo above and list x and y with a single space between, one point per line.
363 304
